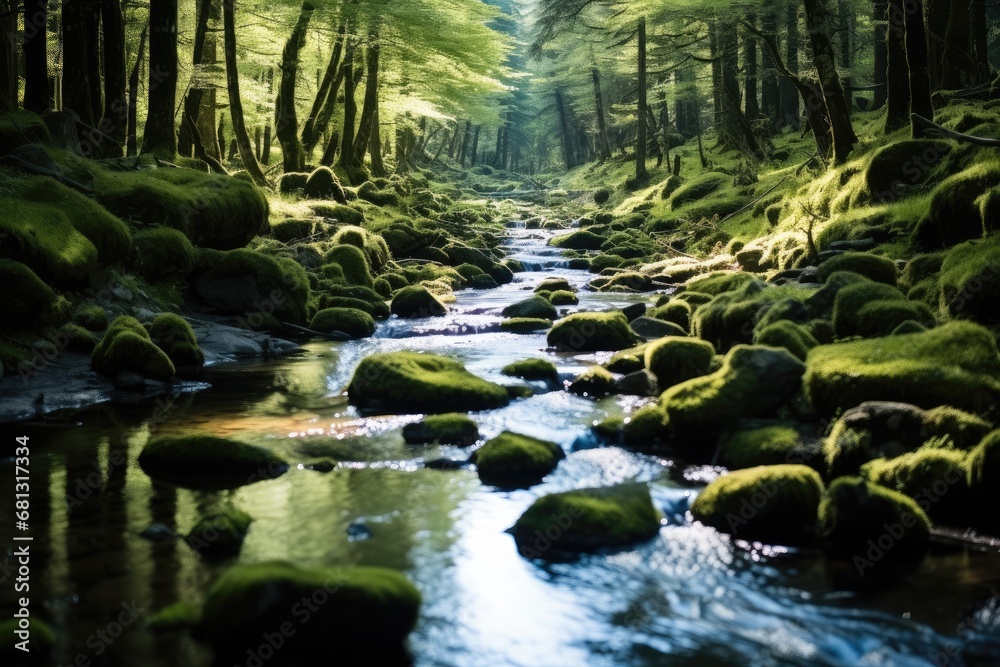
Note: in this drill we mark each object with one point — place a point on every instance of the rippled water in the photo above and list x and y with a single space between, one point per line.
687 597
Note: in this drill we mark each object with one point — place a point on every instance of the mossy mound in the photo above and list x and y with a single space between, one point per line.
586 520
220 535
894 170
243 281
324 184
729 319
351 321
455 428
563 297
970 280
676 311
91 317
536 307
592 332
601 195
954 215
339 213
353 262
174 335
374 247
363 611
583 239
174 617
790 335
512 460
752 382
698 187
855 514
204 461
28 302
19 127
624 281
881 318
873 267
629 360
553 285
719 282
773 504
78 339
403 382
292 181
163 252
595 382
380 197
415 302
850 299
955 364
213 211
127 346
954 427
762 445
674 359
872 430
354 296
934 478
525 325
533 369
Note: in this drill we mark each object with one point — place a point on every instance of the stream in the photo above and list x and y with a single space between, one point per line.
689 596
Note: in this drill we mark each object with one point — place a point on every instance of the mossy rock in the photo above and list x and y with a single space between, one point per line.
347 215
674 310
881 318
850 299
525 325
380 197
563 298
353 262
752 382
126 346
292 181
897 168
163 252
698 187
76 338
592 332
294 229
175 617
415 302
674 359
955 427
955 364
921 267
470 271
583 239
970 280
854 514
601 195
628 360
595 382
605 261
719 282
934 478
954 216
586 520
873 267
730 318
872 430
174 335
624 281
363 611
512 460
220 535
29 302
90 316
792 336
351 321
536 307
374 247
533 369
773 444
402 382
984 480
324 184
242 281
455 428
774 504
208 462
553 285
19 127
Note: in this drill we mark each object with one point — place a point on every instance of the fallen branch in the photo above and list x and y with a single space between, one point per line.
770 190
957 136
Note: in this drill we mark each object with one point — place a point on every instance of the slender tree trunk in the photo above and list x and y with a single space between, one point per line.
603 143
640 145
916 61
115 118
326 96
715 53
750 56
980 42
770 98
466 137
286 123
235 103
497 156
369 111
819 24
131 145
201 96
92 23
36 60
76 76
881 55
567 142
330 153
958 70
346 158
937 25
475 146
845 14
159 135
268 134
504 150
735 131
8 54
789 94
375 149
897 74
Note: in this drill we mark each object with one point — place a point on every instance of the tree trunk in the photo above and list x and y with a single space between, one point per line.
820 28
201 95
235 103
881 56
326 96
715 52
735 132
76 76
957 67
496 153
980 42
603 143
897 74
346 158
115 118
159 135
664 130
504 151
8 54
640 145
937 24
465 143
369 111
268 134
475 146
916 61
286 123
770 98
567 142
375 149
750 56
131 145
845 13
92 22
331 150
789 94
36 60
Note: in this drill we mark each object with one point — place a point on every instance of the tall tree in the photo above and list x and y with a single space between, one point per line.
603 143
897 112
881 52
235 103
958 70
8 55
750 70
820 28
36 57
76 75
770 98
114 120
640 145
789 95
369 109
916 62
286 123
159 135
326 97
200 119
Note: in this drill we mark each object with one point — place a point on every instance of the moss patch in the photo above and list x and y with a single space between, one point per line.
416 302
163 252
595 382
353 262
764 445
27 301
792 336
220 535
351 321
174 335
512 460
242 281
591 332
127 346
934 478
970 280
533 369
536 307
449 429
525 325
674 359
873 267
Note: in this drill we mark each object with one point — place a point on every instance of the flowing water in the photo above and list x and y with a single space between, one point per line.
688 596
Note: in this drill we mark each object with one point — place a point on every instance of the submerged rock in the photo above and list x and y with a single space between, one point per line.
220 535
447 429
533 369
204 461
512 460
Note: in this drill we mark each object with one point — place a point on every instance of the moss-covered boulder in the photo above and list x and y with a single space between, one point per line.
677 311
351 321
535 307
455 428
984 482
628 360
525 325
292 181
553 285
416 301
378 196
699 188
27 301
374 247
595 382
955 364
954 215
365 612
163 252
533 369
970 280
774 504
174 335
241 281
324 184
583 239
790 335
881 318
342 213
401 382
563 297
873 267
586 520
752 382
352 261
730 318
126 346
204 461
719 282
674 359
592 332
899 167
77 338
850 299
512 460
220 535
871 524
934 478
772 444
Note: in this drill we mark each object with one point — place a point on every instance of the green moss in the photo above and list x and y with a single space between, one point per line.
220 535
790 335
970 280
629 360
698 188
955 364
469 271
775 504
920 267
448 429
178 616
27 301
411 382
854 513
281 283
19 127
322 183
821 303
956 427
553 285
127 347
934 478
366 610
525 325
762 445
752 382
351 321
595 382
852 298
372 245
78 339
881 318
163 252
674 310
587 519
370 193
534 307
719 282
204 461
729 319
623 281
353 262
292 181
583 239
563 298
694 299
339 213
513 460
591 332
533 369
873 267
897 168
606 261
174 335
954 216
674 359
90 316
415 302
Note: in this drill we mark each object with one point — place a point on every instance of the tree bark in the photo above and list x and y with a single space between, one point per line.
897 74
286 123
750 87
92 23
845 14
735 132
369 110
820 28
770 98
789 95
326 96
465 143
475 146
201 96
881 54
115 117
957 67
36 61
980 42
235 103
937 24
131 145
346 158
567 142
76 76
603 143
8 55
159 135
640 145
916 61
715 53
375 149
